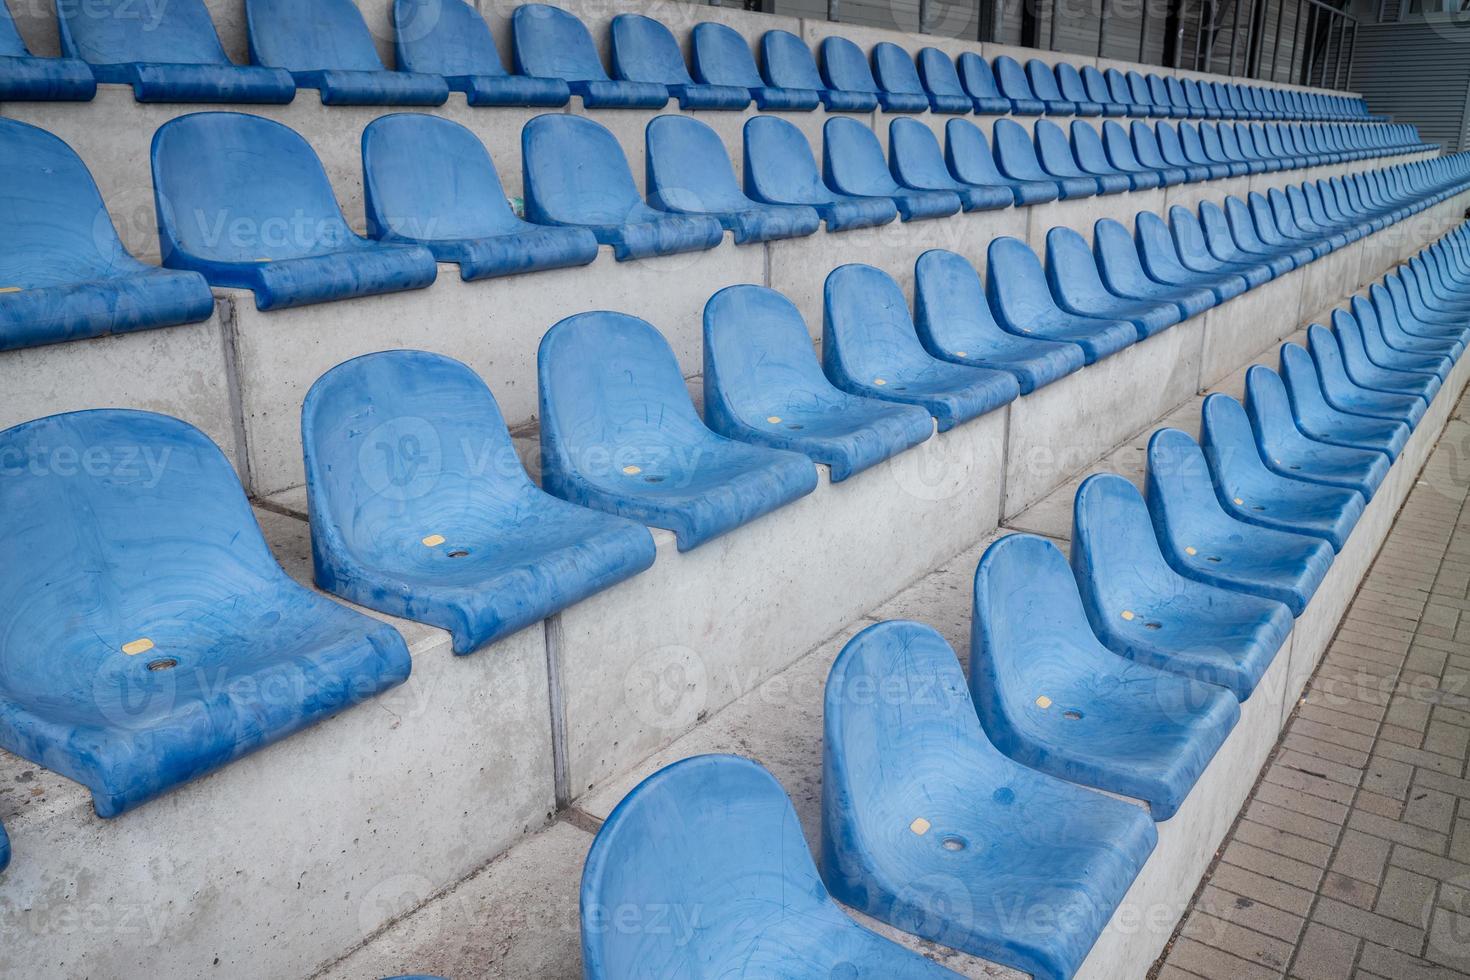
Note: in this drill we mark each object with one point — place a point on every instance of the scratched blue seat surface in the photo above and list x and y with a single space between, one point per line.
64 273
717 834
791 67
644 50
619 433
849 79
1203 542
449 38
225 170
1159 251
1397 356
853 164
145 578
1016 157
1287 450
970 159
1092 157
690 173
722 57
917 162
1057 157
1224 244
1195 255
780 169
1124 156
1077 287
954 323
420 507
1346 395
901 89
1251 491
576 175
1365 372
552 43
764 385
326 46
170 55
1121 267
1319 420
1142 609
1022 303
1405 332
870 348
979 81
1053 698
26 78
430 181
928 827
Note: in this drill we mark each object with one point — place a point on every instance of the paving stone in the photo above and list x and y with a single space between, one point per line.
1249 913
1324 954
1362 857
1369 925
1406 896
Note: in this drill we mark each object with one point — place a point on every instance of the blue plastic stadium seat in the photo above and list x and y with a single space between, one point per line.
1043 82
1023 304
780 169
953 320
1195 255
1053 698
1122 270
25 78
643 50
245 201
1077 287
1074 89
1122 154
900 88
169 55
971 161
1406 333
850 82
449 38
1415 359
1015 156
941 80
763 910
870 348
551 43
1224 245
1286 450
1148 151
1160 255
1324 423
1140 608
430 181
853 164
160 584
1346 395
1362 369
4 848
619 433
1091 157
790 67
979 82
1095 84
1134 101
1054 152
326 45
1010 78
928 827
576 174
690 173
473 548
764 385
1203 542
64 274
722 57
1252 492
917 162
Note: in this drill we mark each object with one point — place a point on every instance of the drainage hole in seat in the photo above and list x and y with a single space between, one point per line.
1153 626
167 663
459 553
1072 715
653 479
954 843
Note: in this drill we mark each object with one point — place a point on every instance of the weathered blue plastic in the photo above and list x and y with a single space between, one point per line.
1121 268
1122 92
1015 156
1121 154
619 433
326 45
953 320
1251 492
245 201
1074 90
1195 255
849 80
1233 150
722 57
917 162
1178 97
1207 139
644 50
717 834
1225 245
780 169
64 273
1011 79
1412 316
690 173
901 90
980 82
1143 96
1201 541
941 81
1246 220
26 78
1055 699
928 827
789 65
1364 372
1160 257
853 164
1320 421
576 174
1148 152
159 584
171 54
404 448
1077 287
1406 333
1288 451
969 158
1140 608
764 385
1092 158
870 348
1346 395
1195 99
1016 287
1095 84
551 43
430 181
1384 354
1044 85
449 38
1160 96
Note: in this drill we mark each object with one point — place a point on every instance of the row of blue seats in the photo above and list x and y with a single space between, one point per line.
175 55
245 202
472 545
947 805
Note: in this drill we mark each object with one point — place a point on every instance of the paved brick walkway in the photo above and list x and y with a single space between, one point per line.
1352 858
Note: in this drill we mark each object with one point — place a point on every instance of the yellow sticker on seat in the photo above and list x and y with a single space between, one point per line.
960 353
10 289
1239 502
137 647
632 470
774 420
920 826
1190 551
1043 702
879 381
433 541
1128 614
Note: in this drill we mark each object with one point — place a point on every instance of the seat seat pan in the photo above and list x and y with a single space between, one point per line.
46 80
512 90
339 87
848 436
952 393
141 300
532 249
361 269
202 83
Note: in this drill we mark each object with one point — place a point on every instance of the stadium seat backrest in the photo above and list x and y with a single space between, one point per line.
305 37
